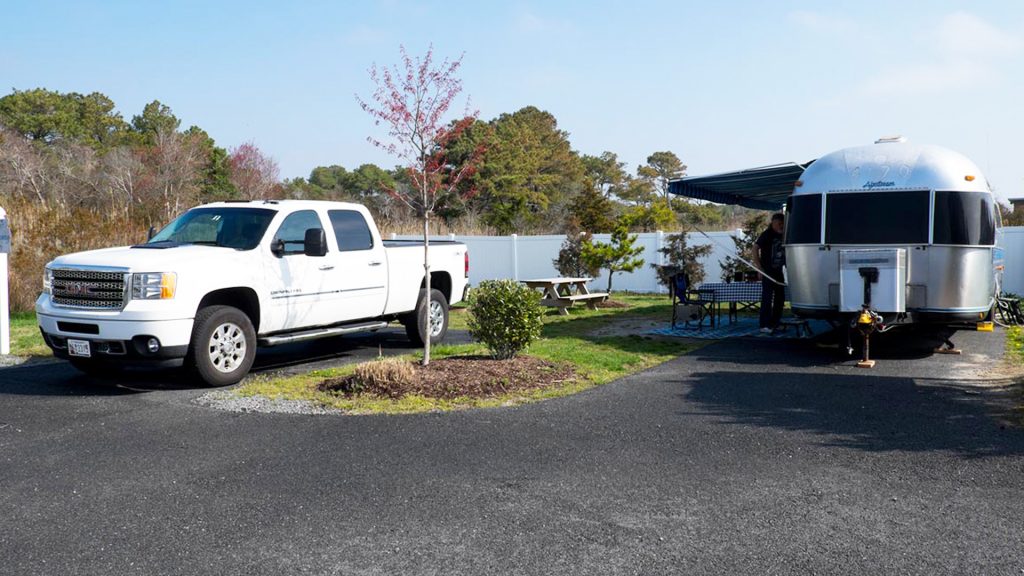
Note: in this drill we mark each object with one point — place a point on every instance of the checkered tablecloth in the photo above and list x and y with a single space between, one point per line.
736 291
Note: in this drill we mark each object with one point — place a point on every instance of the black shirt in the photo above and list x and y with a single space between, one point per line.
773 256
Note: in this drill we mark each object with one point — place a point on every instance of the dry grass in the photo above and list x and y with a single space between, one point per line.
387 377
40 233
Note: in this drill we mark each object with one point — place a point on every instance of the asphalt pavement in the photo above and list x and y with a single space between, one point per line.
746 456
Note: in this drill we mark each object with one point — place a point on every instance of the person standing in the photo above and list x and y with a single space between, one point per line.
770 256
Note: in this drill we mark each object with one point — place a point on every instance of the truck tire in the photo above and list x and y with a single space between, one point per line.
415 327
223 345
94 367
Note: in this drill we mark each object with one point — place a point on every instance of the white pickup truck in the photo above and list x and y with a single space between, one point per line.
224 278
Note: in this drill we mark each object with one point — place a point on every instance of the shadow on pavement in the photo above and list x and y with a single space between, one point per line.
826 349
875 414
61 379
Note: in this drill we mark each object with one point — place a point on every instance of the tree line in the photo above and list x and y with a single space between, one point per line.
75 174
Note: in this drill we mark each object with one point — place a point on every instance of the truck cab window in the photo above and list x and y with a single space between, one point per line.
351 230
293 230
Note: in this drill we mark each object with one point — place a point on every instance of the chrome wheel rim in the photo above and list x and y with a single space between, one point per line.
436 318
227 347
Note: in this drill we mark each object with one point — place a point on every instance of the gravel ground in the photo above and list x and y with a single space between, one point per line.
231 402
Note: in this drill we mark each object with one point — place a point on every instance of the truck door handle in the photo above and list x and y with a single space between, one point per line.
376 263
326 267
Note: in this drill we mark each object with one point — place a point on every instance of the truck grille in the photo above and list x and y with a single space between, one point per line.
102 290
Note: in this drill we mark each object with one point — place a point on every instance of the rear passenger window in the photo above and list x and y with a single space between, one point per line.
293 230
351 230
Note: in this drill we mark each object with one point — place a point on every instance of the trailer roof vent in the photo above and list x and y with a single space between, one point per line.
891 140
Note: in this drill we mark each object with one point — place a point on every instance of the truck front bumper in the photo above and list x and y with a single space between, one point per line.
119 341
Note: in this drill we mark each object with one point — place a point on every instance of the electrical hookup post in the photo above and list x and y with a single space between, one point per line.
5 297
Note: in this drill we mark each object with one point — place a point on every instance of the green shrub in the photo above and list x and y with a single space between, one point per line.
505 316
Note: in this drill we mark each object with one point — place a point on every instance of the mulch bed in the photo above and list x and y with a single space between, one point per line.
471 376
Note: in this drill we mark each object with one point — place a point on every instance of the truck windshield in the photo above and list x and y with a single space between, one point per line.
238 228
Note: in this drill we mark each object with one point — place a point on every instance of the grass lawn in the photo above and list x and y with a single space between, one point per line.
25 337
597 360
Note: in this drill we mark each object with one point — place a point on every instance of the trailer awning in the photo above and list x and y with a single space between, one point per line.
764 188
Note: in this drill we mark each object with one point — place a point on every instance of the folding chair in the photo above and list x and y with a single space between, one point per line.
683 295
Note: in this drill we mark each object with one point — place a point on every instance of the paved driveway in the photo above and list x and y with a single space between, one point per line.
745 457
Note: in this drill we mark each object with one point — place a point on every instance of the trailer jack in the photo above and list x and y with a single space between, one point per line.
867 322
947 347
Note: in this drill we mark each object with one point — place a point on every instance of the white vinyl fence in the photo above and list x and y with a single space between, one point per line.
525 257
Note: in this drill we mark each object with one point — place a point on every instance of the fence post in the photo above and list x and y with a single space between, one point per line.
515 257
659 243
5 295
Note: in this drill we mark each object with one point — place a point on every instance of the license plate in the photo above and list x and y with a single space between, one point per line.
79 348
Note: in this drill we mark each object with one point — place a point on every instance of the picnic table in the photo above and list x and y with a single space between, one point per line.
739 295
562 293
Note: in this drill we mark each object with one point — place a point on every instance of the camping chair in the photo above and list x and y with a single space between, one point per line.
697 304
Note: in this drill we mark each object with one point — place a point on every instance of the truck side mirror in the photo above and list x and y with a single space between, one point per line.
315 242
277 248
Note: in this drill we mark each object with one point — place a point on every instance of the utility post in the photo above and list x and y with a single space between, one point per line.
5 298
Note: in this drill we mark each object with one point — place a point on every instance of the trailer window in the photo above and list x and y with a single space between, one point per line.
964 218
877 218
803 219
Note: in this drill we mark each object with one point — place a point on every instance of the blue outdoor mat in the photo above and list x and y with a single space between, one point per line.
739 328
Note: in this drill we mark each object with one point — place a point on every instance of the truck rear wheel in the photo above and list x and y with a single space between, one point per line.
223 345
416 328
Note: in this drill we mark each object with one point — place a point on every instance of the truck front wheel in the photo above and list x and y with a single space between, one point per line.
223 345
416 328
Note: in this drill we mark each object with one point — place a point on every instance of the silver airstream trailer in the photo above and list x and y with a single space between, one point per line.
909 228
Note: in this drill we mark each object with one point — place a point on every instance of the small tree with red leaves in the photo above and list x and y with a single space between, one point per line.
254 174
412 101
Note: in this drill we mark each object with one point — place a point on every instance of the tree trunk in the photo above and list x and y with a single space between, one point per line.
610 274
426 272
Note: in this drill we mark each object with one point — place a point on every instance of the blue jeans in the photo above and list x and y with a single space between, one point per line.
773 298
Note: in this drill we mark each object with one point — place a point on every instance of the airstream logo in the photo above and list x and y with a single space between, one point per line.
879 184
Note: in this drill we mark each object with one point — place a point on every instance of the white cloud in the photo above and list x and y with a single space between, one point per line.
962 52
962 34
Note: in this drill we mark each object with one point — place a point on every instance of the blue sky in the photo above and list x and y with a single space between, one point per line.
724 85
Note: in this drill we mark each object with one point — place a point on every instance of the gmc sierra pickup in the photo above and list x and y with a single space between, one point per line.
225 278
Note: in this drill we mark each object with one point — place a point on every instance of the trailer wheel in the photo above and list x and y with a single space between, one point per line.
416 329
223 345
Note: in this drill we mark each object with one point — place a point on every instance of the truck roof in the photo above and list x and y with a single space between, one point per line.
290 204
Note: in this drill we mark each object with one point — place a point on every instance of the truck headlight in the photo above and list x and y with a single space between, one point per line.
48 281
154 285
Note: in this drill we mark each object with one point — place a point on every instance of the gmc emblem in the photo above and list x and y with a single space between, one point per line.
76 289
